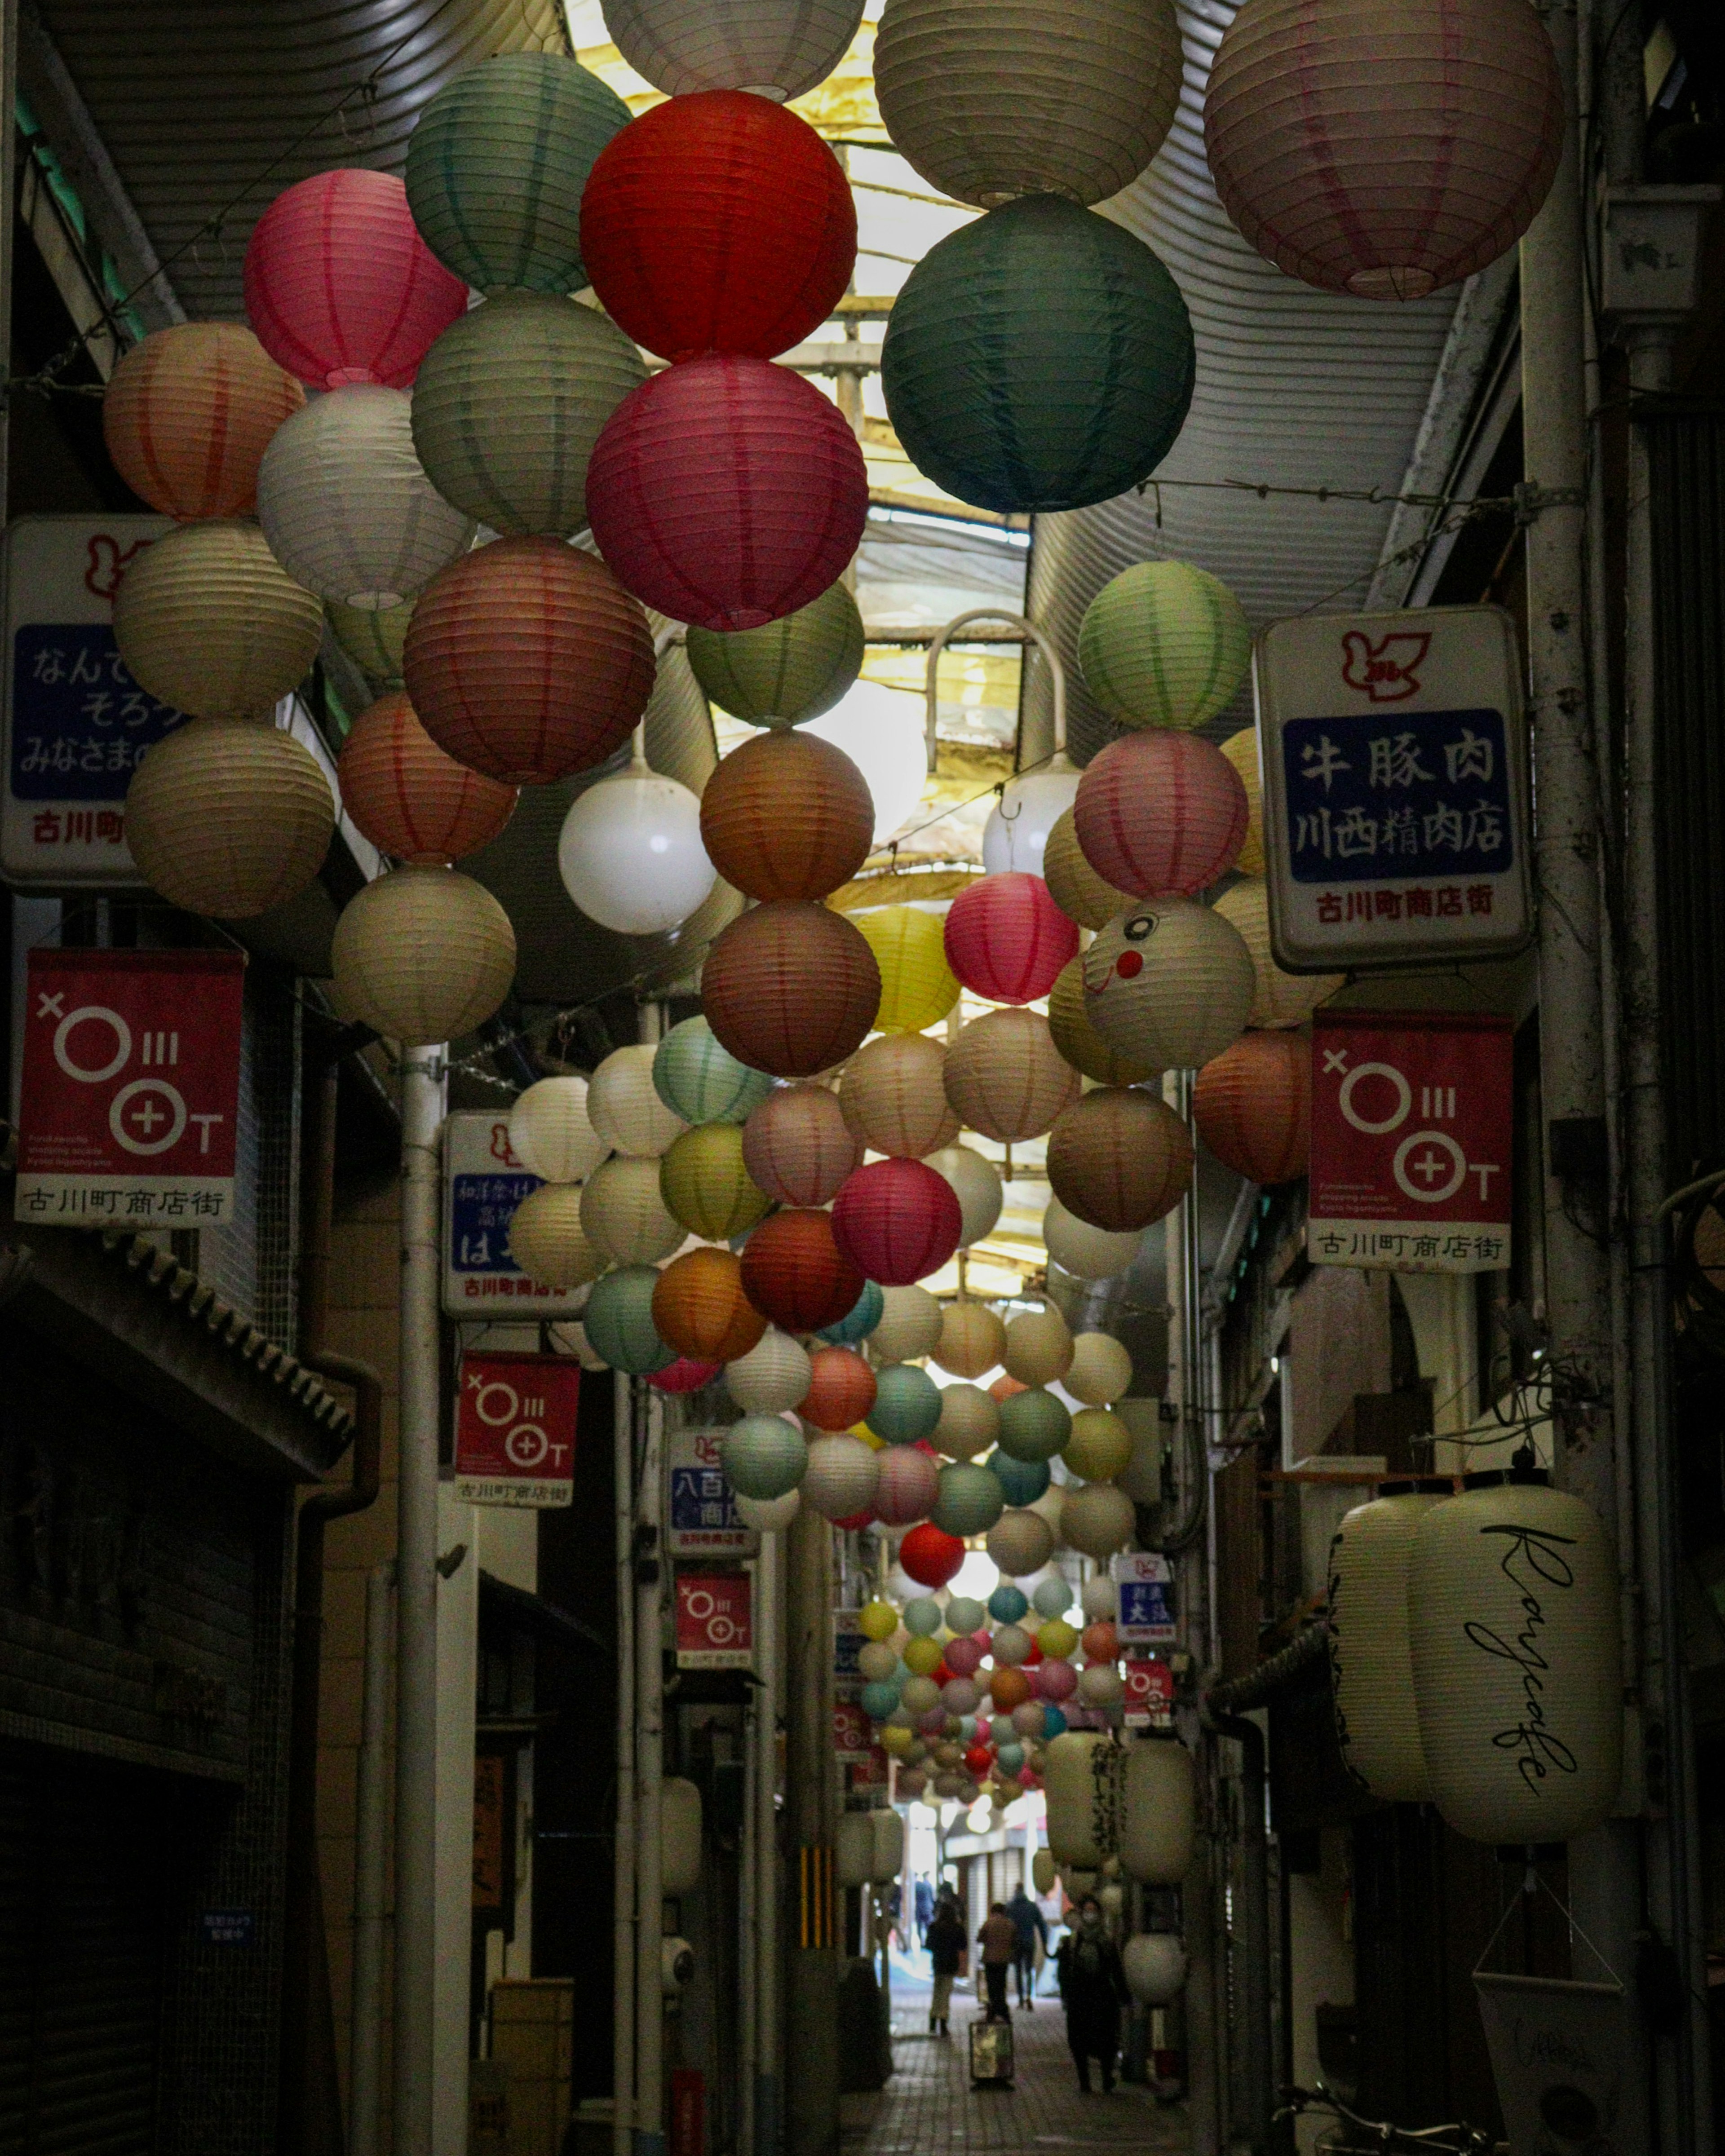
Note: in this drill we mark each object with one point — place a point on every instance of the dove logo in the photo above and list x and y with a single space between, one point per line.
1384 670
107 564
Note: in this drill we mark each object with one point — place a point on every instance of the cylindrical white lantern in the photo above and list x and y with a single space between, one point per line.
421 954
969 1423
777 47
978 1182
1170 984
773 1376
1101 1369
545 1240
909 1325
1082 1769
624 1105
841 1477
854 1848
1157 1811
888 1845
624 1215
551 1133
1278 999
1098 1519
1155 1966
630 855
1087 1253
1371 1648
678 1836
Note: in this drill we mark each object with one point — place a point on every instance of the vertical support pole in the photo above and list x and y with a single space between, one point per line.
623 1878
8 217
811 2031
370 1837
767 2036
747 1864
650 1775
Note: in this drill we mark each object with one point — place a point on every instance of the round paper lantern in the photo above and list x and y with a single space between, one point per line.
1099 1597
1164 644
1241 751
1081 894
1516 1754
777 47
909 1325
619 1321
1054 1680
1158 1805
798 1146
1024 1480
1039 1347
907 1405
921 1694
422 955
1083 1774
929 1556
1252 1105
877 1621
545 1241
684 1376
1097 1520
1005 1077
859 1321
908 1484
526 660
496 165
1006 939
917 987
1154 1963
1008 1689
898 1220
1016 837
1020 1544
1057 1638
1011 1646
1087 1253
972 1340
551 1133
375 642
1160 813
842 1475
893 1100
963 1656
1010 1605
922 1655
207 620
703 1181
969 1502
339 285
727 492
965 1614
718 222
1101 1373
790 988
509 403
1100 1446
1052 1596
624 1213
1058 100
1033 1425
1281 999
769 1516
789 669
1170 984
764 1456
977 1181
700 1308
969 1423
1079 1042
1100 1684
1100 368
1370 1644
702 1081
228 819
841 1389
187 413
787 816
1387 181
795 1272
407 797
630 855
1120 1159
774 1377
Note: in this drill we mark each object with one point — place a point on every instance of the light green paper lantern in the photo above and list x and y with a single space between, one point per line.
907 1405
793 668
373 637
702 1082
619 1321
509 403
497 167
764 1456
1164 644
970 1502
1033 1425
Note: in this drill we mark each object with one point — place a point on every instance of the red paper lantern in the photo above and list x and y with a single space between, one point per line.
684 1375
727 492
1159 812
791 988
930 1557
1003 1386
339 286
1101 1641
795 1272
1253 1106
410 798
899 1220
841 1389
978 1759
1007 940
718 222
527 660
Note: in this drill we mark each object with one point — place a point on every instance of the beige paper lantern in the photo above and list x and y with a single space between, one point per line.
1100 1684
893 1099
778 48
1278 999
625 1215
1100 1447
1241 751
767 1516
1371 1646
1020 1544
1078 1040
909 1327
841 1476
1120 1159
798 1146
1170 984
207 620
1101 1371
1043 1874
972 1339
1081 894
1158 1811
545 1238
678 1836
1154 1965
375 642
969 1423
704 1182
888 1845
1099 1599
1039 1347
1097 1520
774 1376
624 1107
1082 1768
854 1848
1005 1078
551 1132
978 1184
1087 1253
423 955
227 818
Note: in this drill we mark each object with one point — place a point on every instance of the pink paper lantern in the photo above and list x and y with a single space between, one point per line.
898 1219
1007 940
1053 1679
909 1484
339 286
1026 1778
1159 813
727 492
964 1657
685 1375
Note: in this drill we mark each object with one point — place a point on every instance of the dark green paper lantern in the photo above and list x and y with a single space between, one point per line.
497 164
1039 358
792 670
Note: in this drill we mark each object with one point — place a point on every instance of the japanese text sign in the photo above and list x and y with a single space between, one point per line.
130 1095
849 1640
715 1620
1412 1120
1144 1582
515 1430
702 1517
1393 755
1149 1699
483 1184
851 1733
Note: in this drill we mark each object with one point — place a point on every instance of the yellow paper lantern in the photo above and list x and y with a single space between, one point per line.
227 817
922 1657
1057 1638
545 1238
1074 885
1039 1347
878 1620
1280 998
206 619
423 955
917 987
1100 1446
373 640
624 1213
972 1339
1101 1371
1241 751
703 1181
1077 1040
893 1098
1371 1647
551 1132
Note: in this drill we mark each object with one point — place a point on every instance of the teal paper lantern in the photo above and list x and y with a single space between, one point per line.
879 1700
1009 1758
794 669
764 1456
702 1082
1024 1480
1033 1425
923 1617
1054 1724
497 165
1039 358
907 1405
1007 1603
969 1502
860 1321
1162 645
619 1321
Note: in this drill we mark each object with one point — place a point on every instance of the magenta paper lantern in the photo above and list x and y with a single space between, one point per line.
727 492
899 1220
1007 940
1160 813
339 286
910 1482
964 1657
685 1375
1053 1679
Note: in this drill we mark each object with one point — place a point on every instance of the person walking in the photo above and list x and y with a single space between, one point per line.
998 1939
924 1909
1027 1923
945 1940
1093 1990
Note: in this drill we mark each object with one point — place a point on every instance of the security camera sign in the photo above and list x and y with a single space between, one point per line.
1412 1121
130 1092
515 1430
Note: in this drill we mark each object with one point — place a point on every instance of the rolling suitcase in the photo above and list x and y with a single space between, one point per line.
991 2054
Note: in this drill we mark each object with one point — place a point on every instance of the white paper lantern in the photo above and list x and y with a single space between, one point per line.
909 1325
1052 1596
625 1215
888 1845
423 954
1371 1648
969 1423
545 1241
1015 836
1083 1772
854 1848
1280 998
841 1477
1099 1599
624 1105
630 855
1101 1369
1087 1253
965 1614
346 504
1157 1811
1097 1520
1039 1347
1155 1967
550 1133
767 1516
678 1836
1171 984
1100 1684
774 1375
778 47
972 1340
978 1182
763 1455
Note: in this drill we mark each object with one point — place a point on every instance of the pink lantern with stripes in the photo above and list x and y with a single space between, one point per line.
1160 813
1007 940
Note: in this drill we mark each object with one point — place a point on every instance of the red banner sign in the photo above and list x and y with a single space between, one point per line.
1149 1702
851 1733
1412 1122
515 1430
715 1620
131 1096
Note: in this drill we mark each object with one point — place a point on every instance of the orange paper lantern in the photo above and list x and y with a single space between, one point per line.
188 413
791 988
787 816
1120 1158
699 1309
841 1389
1005 1078
795 1272
1253 1106
407 797
798 1146
893 1099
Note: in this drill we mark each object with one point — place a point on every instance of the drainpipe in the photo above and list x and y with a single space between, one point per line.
623 1888
370 1857
1257 2065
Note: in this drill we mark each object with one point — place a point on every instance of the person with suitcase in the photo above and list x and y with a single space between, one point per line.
1093 1988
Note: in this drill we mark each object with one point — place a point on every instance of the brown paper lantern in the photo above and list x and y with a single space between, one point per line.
1005 1078
422 955
791 988
227 818
1081 894
972 1339
206 619
1078 1040
1120 1158
798 1146
705 1184
893 1098
1253 1106
699 1309
410 798
188 415
787 816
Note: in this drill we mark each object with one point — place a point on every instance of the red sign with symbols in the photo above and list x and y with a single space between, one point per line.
851 1733
1149 1702
515 1430
1412 1121
131 1096
715 1620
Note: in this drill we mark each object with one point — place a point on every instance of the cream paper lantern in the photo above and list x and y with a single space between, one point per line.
624 1105
346 505
977 1181
545 1238
1043 1873
1370 1644
876 1661
630 853
207 620
1100 1684
423 954
227 818
909 1327
892 1097
1097 1520
888 1845
624 1215
1280 998
972 1339
1039 1347
1514 1611
678 1836
969 1423
1083 1776
767 1516
778 48
1158 1811
551 1132
1154 1964
1079 1884
1087 1253
1101 1369
1020 1544
1170 983
1011 1646
841 1476
1099 1599
854 1848
773 1377
1100 1447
